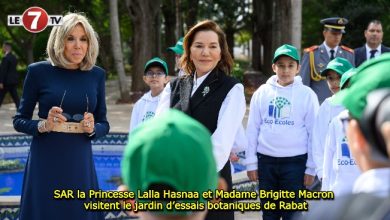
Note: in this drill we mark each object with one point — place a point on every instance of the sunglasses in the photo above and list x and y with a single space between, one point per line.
75 117
151 74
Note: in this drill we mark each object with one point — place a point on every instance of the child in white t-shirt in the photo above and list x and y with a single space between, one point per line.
333 72
281 116
155 76
340 169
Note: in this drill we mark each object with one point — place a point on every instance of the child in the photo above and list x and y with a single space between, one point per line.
178 50
172 152
340 169
333 72
155 76
279 128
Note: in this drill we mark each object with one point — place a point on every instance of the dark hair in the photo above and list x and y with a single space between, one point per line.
374 22
7 44
226 62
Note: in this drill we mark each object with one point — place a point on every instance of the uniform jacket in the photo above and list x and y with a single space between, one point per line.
321 59
361 54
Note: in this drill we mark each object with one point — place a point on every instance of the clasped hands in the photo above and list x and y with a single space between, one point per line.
55 116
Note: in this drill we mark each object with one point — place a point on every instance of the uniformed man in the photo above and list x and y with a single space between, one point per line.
316 58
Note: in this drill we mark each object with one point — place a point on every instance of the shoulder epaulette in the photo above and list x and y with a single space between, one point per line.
309 49
347 48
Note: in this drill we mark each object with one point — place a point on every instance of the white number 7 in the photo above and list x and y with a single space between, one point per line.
37 14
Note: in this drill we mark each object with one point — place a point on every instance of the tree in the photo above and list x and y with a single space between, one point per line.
363 11
179 20
143 14
117 51
169 13
230 15
296 26
191 15
256 36
272 27
266 9
281 27
22 41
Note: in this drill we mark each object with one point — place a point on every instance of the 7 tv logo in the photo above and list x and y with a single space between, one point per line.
34 19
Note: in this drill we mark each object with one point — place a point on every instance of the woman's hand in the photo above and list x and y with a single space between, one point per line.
88 123
54 116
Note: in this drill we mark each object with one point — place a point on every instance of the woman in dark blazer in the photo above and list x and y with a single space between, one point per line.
208 94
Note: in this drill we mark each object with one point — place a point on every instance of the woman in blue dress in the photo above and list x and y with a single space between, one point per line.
70 91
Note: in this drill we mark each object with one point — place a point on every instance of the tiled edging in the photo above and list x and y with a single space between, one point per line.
9 205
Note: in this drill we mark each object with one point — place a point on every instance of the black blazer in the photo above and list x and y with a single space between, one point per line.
361 56
8 73
207 100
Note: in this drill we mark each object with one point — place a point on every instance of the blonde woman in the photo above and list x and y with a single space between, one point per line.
69 89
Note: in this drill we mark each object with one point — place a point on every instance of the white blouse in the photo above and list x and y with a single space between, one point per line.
229 122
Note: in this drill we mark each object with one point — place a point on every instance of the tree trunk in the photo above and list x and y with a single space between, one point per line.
256 36
143 14
117 52
30 53
192 13
296 26
267 7
282 21
179 20
169 12
105 55
157 35
230 39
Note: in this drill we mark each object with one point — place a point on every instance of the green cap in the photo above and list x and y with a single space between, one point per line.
156 61
370 76
286 50
346 76
178 48
172 149
339 65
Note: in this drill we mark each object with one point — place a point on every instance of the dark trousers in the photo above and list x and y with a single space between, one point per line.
223 215
12 89
281 173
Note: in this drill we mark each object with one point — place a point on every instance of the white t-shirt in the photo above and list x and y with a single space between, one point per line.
144 109
339 169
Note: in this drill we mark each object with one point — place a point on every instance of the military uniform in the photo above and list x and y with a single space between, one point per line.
316 58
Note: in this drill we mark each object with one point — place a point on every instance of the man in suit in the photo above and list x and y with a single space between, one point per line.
8 75
316 58
373 47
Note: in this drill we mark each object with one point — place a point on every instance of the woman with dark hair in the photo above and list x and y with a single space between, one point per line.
207 93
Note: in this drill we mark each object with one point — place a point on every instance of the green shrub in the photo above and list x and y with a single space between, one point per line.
240 66
8 165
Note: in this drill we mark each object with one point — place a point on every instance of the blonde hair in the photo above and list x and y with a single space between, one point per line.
226 62
56 43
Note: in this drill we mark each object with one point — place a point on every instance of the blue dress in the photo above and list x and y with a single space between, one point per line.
60 161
